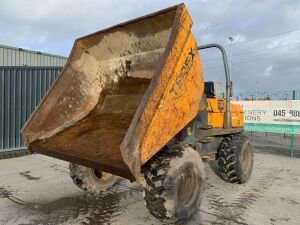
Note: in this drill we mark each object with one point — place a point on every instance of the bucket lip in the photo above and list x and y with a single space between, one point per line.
24 128
174 7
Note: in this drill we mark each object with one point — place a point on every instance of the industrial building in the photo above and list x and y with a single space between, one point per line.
11 56
25 76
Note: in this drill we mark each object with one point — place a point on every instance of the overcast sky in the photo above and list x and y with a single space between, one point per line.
269 63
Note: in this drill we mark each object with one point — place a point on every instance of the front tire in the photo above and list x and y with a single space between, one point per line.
175 183
91 180
235 159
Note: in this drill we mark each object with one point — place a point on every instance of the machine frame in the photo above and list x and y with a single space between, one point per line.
204 138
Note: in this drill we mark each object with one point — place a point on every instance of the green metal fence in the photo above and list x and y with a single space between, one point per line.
22 88
283 136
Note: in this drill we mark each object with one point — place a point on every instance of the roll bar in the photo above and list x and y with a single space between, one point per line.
227 116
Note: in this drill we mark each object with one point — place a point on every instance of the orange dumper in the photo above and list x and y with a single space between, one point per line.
131 102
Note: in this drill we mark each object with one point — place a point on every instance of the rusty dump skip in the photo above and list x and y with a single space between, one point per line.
123 94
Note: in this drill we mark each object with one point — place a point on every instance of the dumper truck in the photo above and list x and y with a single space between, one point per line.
131 102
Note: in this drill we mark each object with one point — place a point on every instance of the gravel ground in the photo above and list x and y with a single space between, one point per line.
36 189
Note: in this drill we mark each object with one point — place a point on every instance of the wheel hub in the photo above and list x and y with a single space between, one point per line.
104 177
187 187
246 159
98 174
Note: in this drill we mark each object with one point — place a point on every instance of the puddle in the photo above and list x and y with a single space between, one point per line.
4 193
28 176
87 209
95 210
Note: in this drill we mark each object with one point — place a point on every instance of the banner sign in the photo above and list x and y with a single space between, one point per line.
280 116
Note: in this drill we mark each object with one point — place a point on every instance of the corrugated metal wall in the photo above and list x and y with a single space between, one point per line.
10 56
21 90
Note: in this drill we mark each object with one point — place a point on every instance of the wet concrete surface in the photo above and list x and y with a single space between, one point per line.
36 189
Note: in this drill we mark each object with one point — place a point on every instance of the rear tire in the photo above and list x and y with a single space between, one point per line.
91 180
235 159
175 183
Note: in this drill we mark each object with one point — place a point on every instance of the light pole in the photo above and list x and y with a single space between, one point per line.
256 83
230 54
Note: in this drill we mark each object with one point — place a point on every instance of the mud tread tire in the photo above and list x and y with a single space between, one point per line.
84 178
229 159
156 174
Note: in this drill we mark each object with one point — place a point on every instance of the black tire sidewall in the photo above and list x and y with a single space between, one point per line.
244 144
85 179
171 185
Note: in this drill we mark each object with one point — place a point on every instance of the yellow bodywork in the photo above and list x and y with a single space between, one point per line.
173 99
123 94
216 109
178 104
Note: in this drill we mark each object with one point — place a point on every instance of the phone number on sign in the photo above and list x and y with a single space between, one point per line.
283 112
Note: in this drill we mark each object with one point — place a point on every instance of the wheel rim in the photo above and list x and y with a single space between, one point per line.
104 177
246 159
187 187
98 174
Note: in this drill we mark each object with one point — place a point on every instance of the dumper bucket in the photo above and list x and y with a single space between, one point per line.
123 94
